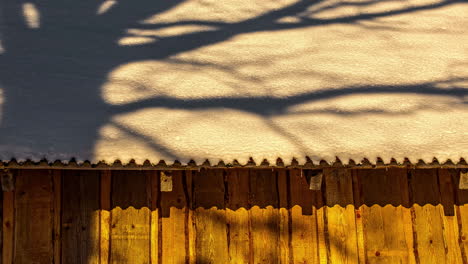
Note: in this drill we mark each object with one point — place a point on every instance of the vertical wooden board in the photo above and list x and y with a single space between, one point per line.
34 217
284 214
340 221
34 200
461 213
1 227
447 191
319 209
304 236
385 230
173 221
237 215
450 221
105 204
428 217
130 218
358 205
129 188
210 217
154 238
461 200
190 241
407 213
8 227
57 209
80 217
154 200
264 216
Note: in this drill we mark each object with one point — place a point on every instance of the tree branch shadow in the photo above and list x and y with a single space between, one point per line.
52 75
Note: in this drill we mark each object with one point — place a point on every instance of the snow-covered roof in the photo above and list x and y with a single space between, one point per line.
227 80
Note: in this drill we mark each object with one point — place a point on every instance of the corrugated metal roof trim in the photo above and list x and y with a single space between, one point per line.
176 165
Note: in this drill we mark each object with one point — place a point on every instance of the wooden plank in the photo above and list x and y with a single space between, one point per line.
105 204
57 191
434 243
80 217
384 218
237 215
154 196
173 222
130 218
447 195
34 201
191 235
407 214
318 206
264 216
357 198
304 236
210 217
450 221
461 200
8 227
340 216
284 214
1 227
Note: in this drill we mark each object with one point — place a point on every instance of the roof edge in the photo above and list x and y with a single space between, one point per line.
192 165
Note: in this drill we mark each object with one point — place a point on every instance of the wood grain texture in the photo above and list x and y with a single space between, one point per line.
357 199
450 220
383 216
319 208
8 225
447 190
237 215
154 199
173 222
34 220
130 218
1 227
264 216
461 200
210 217
284 215
105 204
245 215
304 237
57 209
433 241
80 217
340 217
191 235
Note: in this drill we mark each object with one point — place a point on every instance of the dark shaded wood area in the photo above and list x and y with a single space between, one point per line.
241 215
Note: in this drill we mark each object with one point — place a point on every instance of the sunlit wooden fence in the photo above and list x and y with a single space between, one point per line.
235 215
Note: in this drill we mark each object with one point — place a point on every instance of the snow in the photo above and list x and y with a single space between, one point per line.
229 80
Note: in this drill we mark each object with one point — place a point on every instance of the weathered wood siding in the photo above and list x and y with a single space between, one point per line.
389 215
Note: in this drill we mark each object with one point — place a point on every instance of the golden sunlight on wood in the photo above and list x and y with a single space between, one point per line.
130 235
235 215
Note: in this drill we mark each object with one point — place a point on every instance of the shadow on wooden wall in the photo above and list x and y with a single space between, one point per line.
235 216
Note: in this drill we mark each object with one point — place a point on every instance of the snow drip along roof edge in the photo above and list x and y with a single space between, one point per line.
192 165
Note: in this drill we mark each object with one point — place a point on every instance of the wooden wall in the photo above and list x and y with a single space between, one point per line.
243 215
